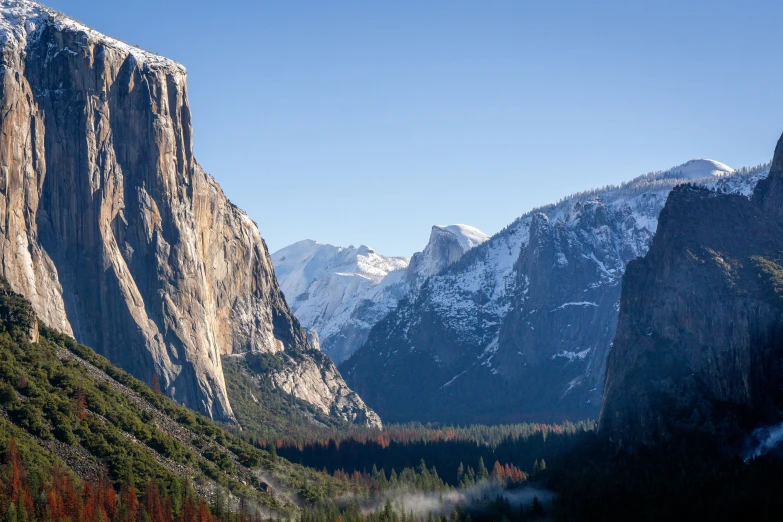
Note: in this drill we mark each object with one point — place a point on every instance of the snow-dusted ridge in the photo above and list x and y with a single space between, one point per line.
641 199
21 20
341 293
537 305
716 176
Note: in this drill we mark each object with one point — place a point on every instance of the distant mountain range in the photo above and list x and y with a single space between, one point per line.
520 327
341 293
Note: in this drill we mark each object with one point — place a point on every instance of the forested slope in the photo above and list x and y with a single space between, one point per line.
69 417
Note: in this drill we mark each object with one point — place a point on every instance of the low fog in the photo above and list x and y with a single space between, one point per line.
763 440
421 504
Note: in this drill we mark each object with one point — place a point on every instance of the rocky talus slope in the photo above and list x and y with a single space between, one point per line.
699 344
110 227
519 328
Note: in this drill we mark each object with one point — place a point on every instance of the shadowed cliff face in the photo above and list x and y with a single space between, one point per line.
519 328
699 344
109 225
537 356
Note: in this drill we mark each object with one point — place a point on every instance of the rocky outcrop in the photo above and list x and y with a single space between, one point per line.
520 327
110 227
320 384
446 246
699 344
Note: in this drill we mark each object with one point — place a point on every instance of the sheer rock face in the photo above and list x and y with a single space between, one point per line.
109 225
699 344
446 246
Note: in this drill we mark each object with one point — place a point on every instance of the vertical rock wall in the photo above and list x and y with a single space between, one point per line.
109 225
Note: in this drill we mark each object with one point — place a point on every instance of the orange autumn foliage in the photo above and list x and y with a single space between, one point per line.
60 496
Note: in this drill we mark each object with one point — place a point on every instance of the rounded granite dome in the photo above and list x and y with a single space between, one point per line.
702 168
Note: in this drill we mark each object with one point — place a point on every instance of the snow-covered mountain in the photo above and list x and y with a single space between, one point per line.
702 168
340 293
519 328
446 246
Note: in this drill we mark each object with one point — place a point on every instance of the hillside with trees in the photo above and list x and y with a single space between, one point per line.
73 427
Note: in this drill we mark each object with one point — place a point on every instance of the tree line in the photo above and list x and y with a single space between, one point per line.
522 447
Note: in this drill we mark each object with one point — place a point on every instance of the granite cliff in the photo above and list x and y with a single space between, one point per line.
699 344
112 230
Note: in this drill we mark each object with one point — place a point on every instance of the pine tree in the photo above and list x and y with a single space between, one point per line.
483 473
80 404
470 477
272 449
10 514
536 509
497 472
388 512
219 504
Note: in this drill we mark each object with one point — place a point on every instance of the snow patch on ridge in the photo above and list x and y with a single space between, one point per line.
580 303
701 168
460 374
572 355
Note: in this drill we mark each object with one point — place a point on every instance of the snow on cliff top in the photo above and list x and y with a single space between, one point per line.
702 168
467 236
21 18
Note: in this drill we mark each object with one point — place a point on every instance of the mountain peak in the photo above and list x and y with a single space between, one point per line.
341 293
446 246
769 191
701 168
467 236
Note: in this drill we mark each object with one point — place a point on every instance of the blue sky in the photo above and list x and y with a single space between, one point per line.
357 122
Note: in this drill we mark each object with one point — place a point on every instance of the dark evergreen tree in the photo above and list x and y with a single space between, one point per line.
483 473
